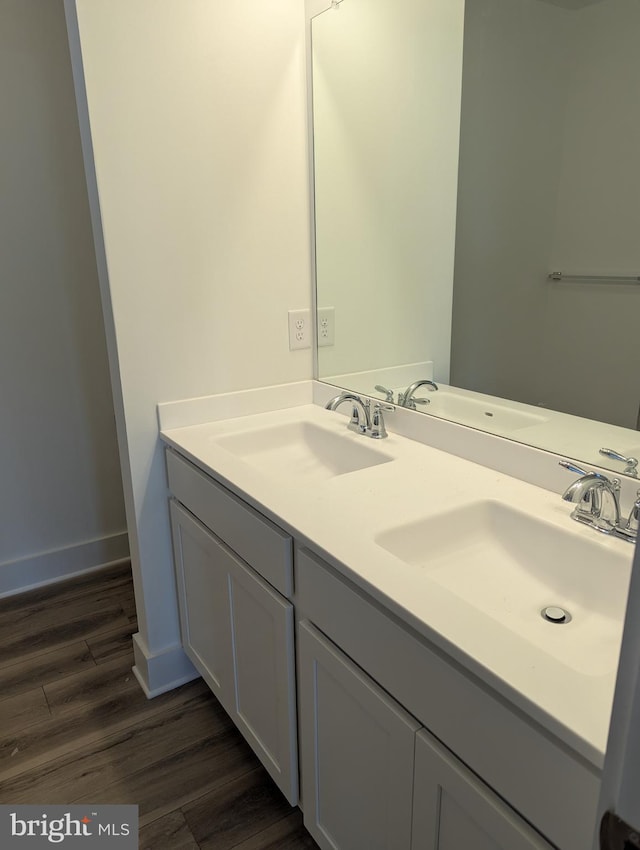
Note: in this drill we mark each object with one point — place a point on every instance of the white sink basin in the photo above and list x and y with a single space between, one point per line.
303 450
510 566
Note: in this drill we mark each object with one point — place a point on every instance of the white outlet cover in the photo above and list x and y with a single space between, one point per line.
300 335
326 326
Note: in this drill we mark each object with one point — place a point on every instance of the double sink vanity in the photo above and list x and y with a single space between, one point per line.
420 649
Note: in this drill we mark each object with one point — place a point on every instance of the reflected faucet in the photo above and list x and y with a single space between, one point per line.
406 398
631 462
388 393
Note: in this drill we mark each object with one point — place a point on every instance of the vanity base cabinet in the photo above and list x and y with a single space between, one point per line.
239 633
357 753
538 777
453 809
369 687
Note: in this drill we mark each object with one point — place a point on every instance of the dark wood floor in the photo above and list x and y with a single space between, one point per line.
75 727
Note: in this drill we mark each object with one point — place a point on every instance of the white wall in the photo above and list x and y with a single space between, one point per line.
199 172
61 505
386 101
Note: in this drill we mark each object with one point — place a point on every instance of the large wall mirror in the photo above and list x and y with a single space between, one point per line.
477 212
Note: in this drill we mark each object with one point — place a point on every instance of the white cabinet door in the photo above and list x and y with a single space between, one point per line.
357 749
239 633
262 629
203 597
453 809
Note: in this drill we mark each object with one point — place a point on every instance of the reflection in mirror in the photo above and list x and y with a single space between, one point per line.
463 153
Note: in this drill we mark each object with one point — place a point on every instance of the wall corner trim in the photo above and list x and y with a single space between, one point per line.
162 671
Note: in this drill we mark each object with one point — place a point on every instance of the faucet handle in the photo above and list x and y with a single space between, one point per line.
378 429
633 523
572 467
578 470
631 462
388 393
629 529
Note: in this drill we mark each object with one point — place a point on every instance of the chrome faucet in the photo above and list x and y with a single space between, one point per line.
595 497
597 503
361 420
406 398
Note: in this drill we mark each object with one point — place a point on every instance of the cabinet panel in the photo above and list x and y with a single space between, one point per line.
256 539
453 809
202 582
357 753
262 627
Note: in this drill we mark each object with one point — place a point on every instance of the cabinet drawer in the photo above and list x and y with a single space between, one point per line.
553 788
257 540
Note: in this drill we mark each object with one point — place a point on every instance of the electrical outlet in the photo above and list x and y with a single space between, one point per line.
299 329
326 326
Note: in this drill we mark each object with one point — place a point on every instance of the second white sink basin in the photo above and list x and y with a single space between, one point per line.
303 450
510 566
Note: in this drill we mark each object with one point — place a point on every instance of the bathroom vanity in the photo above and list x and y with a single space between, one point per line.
324 597
370 612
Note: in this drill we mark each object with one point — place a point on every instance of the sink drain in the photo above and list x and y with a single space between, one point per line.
555 614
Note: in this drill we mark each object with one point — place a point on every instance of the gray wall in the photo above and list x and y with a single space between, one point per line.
549 179
61 504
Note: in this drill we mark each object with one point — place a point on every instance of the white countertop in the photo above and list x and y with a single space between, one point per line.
339 517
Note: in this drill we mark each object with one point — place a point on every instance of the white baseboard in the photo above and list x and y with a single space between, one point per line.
160 672
59 564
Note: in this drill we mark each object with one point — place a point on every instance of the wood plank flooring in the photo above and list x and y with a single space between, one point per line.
76 727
